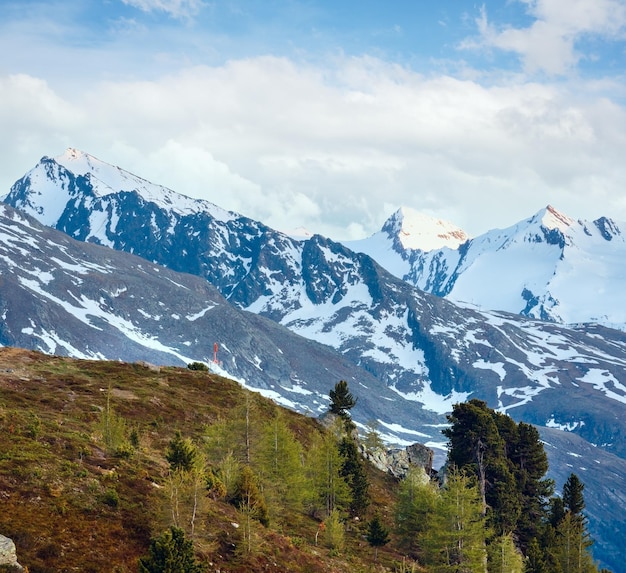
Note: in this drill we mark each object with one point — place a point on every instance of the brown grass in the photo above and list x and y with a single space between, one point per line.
70 506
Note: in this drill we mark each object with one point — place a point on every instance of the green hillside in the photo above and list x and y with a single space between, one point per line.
70 502
109 466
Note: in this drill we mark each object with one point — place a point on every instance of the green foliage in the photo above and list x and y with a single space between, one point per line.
111 498
503 556
113 429
509 463
377 533
535 559
170 553
455 540
281 468
198 366
342 400
59 460
372 440
324 463
334 533
573 546
353 471
181 453
417 500
573 498
33 426
248 497
215 486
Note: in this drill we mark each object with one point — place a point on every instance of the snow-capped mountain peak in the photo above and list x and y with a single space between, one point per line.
53 182
550 218
415 230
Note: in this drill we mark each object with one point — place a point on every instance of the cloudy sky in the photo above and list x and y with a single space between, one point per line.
329 114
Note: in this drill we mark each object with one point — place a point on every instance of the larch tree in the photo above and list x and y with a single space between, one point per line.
280 467
417 499
324 462
455 539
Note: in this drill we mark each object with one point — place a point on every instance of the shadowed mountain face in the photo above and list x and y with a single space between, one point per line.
317 312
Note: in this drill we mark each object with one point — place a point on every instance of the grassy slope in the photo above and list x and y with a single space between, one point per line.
69 506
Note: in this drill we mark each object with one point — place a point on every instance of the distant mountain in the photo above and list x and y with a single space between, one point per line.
549 267
408 354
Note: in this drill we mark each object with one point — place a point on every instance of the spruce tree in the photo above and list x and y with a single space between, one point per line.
181 453
377 534
573 498
531 464
170 553
353 471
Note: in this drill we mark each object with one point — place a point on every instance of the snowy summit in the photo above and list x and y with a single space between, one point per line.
416 230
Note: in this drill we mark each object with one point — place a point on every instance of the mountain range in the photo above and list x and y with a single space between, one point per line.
556 268
108 271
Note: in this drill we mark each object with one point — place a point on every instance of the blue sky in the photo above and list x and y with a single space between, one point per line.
330 115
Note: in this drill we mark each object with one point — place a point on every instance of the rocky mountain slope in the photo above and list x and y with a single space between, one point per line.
549 266
409 354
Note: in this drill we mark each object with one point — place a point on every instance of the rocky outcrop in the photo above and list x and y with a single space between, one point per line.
8 554
398 461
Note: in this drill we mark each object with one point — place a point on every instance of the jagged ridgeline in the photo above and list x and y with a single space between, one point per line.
111 466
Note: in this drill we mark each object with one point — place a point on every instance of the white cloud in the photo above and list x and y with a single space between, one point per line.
337 149
550 43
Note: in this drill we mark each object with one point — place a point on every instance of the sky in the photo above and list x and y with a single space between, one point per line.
329 114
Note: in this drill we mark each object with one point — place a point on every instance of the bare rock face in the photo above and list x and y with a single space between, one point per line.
420 455
397 461
8 555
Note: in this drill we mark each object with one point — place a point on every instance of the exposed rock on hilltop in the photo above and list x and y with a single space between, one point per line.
8 554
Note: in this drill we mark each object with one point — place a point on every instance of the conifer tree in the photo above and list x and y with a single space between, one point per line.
503 556
334 533
170 553
417 498
342 400
353 471
372 441
248 497
280 467
535 559
531 464
572 543
476 446
573 498
573 546
377 534
181 453
455 540
324 463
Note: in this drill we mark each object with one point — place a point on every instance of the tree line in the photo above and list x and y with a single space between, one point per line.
492 510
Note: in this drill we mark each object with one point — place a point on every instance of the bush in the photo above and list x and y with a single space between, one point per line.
170 552
200 366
